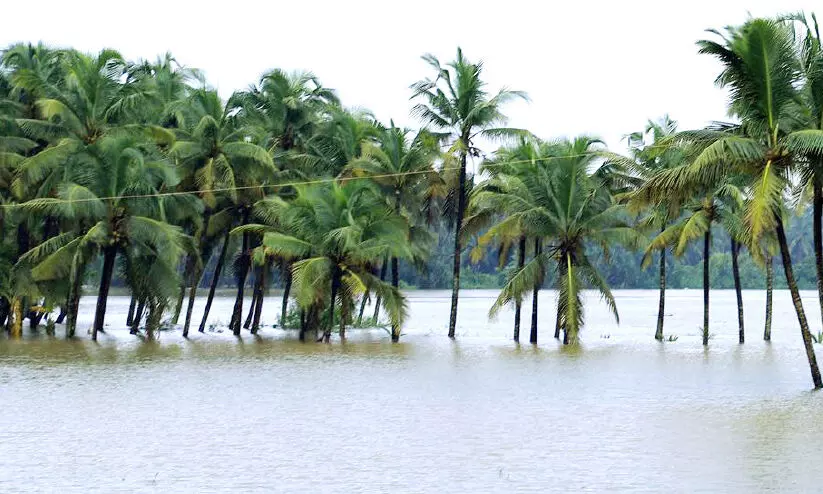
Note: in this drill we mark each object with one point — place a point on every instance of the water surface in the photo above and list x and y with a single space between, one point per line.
620 413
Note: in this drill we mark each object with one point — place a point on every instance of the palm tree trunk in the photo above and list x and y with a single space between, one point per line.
707 242
258 306
218 270
382 278
461 209
243 265
197 269
738 291
61 316
798 304
767 331
518 304
73 299
254 294
188 274
109 256
395 282
138 315
557 325
195 281
132 306
661 304
335 284
343 316
302 334
16 317
286 289
535 293
362 309
817 213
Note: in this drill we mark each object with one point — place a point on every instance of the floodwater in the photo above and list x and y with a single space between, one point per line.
479 414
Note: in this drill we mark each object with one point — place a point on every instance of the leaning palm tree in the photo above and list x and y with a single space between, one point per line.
761 70
561 203
457 103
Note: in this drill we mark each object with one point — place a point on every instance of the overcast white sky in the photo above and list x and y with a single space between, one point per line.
601 68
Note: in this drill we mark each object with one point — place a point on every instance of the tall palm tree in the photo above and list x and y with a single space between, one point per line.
650 156
456 102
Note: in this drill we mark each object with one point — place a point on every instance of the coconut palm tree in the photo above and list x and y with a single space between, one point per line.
762 73
508 161
718 206
98 194
457 103
285 111
337 231
216 158
403 169
649 155
562 204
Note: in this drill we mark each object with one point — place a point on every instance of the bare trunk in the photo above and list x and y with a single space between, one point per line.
253 304
518 304
195 281
817 212
132 306
243 267
286 289
188 273
218 270
258 307
395 282
736 273
661 304
61 316
138 315
767 331
707 242
335 284
16 318
798 305
382 278
362 309
535 293
73 300
109 256
458 225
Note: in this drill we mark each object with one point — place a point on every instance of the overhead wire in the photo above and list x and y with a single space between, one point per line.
262 187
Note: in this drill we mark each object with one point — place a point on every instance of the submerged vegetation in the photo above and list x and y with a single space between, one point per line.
115 172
